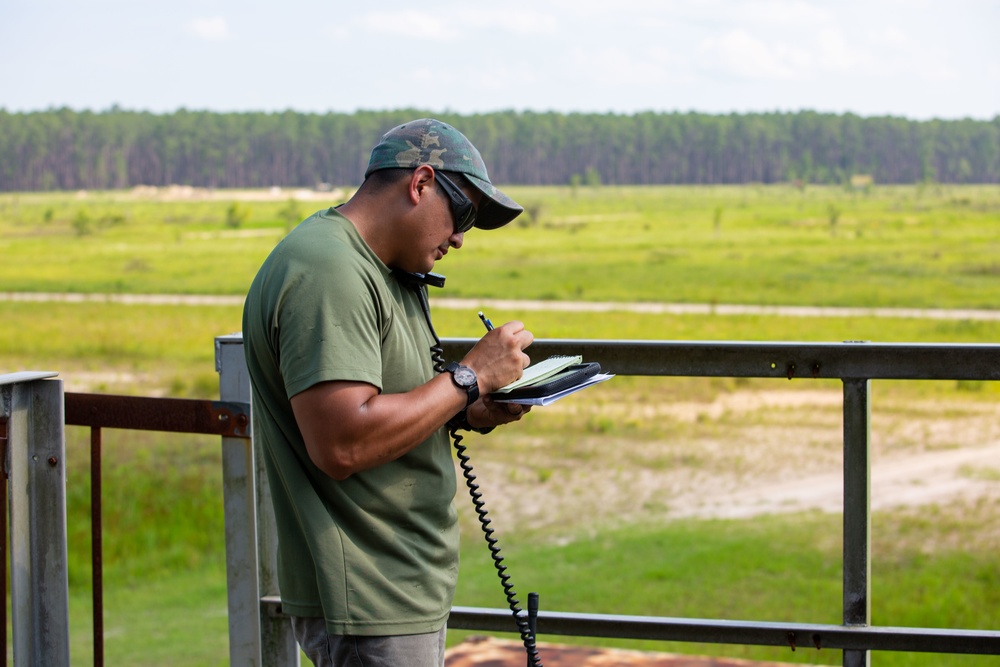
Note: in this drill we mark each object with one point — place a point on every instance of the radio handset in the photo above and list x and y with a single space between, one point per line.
414 279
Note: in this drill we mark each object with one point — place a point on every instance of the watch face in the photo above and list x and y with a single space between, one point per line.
465 376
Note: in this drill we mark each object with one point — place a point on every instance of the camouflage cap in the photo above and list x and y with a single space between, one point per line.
431 142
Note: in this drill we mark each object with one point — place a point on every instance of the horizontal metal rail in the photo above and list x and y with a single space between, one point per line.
793 635
847 360
141 413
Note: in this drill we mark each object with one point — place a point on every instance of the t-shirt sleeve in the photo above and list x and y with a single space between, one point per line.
330 319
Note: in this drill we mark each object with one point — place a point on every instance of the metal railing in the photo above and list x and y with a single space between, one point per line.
138 413
33 401
34 409
856 364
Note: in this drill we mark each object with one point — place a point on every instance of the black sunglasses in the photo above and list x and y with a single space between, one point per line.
462 210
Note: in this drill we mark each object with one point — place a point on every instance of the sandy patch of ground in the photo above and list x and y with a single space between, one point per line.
492 652
111 382
744 454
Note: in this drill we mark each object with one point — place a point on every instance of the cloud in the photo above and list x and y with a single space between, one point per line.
899 53
780 13
410 24
756 13
739 54
462 23
514 21
613 66
836 54
214 29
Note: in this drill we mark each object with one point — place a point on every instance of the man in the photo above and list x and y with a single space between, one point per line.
351 399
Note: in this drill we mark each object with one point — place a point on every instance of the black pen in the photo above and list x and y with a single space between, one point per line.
486 321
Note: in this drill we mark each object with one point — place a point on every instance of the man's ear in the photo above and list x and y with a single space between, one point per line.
420 183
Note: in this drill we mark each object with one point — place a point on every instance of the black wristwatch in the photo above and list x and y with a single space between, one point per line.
465 378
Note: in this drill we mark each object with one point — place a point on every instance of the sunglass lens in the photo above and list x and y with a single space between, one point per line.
462 209
465 219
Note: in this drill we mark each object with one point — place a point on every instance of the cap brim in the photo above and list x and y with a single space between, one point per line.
496 209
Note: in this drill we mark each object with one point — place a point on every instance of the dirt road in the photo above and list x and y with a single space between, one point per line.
531 305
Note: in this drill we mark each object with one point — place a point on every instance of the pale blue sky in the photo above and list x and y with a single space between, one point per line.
914 58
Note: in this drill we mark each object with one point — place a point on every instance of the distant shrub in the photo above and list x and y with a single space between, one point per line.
291 213
81 223
236 215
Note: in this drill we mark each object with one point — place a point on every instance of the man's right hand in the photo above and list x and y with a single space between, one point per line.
499 358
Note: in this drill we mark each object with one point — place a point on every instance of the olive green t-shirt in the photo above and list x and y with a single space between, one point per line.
376 553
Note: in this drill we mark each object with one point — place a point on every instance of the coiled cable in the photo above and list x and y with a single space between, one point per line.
465 463
523 628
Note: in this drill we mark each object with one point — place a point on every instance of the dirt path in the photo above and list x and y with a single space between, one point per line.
714 309
531 305
745 454
921 479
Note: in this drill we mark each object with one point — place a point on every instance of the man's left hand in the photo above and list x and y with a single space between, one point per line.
486 412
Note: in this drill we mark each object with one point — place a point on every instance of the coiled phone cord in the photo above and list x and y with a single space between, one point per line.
527 637
465 463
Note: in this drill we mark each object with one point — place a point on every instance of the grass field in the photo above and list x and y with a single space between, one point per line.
914 247
928 246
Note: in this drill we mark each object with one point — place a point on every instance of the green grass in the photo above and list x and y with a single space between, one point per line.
897 246
163 549
157 350
153 484
177 617
894 246
782 568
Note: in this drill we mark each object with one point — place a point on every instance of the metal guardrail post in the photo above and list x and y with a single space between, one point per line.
857 511
36 465
257 635
238 487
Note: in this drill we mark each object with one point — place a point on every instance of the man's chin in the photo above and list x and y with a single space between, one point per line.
417 268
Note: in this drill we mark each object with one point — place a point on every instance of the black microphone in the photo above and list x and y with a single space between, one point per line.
432 279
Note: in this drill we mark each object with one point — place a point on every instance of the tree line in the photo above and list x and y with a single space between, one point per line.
64 149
